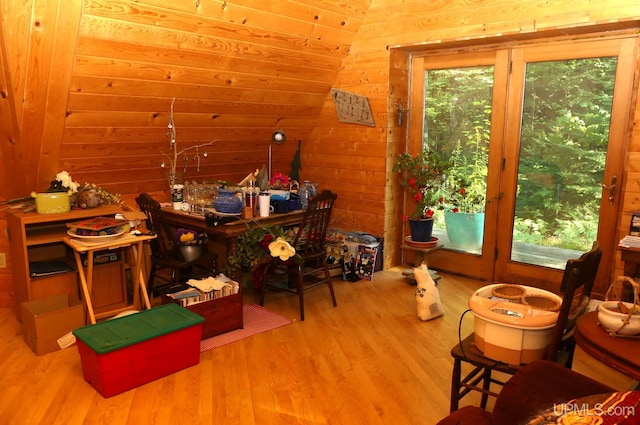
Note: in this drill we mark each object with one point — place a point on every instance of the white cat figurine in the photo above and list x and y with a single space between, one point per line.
427 296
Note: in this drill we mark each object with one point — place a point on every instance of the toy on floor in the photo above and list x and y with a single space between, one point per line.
427 296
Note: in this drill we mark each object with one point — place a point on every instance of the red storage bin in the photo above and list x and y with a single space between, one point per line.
124 353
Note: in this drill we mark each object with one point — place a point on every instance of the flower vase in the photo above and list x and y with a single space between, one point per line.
227 202
465 230
421 229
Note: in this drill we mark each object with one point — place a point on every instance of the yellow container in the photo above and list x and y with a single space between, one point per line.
52 203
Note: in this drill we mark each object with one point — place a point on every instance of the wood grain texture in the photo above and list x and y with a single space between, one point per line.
93 80
367 361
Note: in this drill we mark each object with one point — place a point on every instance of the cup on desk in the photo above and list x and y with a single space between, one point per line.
280 206
264 204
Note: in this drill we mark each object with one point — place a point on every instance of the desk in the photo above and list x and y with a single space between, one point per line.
619 353
229 231
631 259
135 243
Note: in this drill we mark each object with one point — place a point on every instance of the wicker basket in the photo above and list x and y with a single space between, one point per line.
509 292
541 302
621 323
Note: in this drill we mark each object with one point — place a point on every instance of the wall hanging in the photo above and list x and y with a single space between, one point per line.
352 108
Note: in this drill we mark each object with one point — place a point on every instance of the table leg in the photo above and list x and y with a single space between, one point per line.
139 283
85 282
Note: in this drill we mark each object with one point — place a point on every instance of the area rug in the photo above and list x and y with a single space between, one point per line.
256 320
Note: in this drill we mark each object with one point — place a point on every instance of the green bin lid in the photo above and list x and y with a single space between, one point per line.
128 330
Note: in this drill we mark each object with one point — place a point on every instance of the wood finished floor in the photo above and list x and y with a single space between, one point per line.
367 361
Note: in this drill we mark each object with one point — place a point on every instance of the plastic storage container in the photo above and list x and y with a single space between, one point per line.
124 353
511 332
52 203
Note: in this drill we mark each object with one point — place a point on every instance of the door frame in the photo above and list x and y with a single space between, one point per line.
494 264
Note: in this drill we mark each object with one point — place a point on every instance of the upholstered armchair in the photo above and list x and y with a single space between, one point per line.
537 386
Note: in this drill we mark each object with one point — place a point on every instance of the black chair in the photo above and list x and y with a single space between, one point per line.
310 245
578 273
168 263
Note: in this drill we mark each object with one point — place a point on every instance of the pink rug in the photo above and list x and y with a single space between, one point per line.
256 320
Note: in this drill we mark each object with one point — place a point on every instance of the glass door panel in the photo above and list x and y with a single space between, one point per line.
563 147
457 124
545 126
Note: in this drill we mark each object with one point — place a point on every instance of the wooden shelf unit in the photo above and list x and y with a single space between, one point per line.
38 237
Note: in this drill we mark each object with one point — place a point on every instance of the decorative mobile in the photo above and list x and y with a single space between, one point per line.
173 146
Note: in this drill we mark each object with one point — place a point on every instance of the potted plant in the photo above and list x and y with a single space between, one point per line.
257 246
422 176
464 199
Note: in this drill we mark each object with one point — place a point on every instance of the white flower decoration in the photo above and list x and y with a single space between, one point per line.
282 249
65 179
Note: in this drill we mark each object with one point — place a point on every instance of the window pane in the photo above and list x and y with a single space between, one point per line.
563 146
457 124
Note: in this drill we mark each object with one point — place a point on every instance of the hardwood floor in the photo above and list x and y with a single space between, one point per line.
367 361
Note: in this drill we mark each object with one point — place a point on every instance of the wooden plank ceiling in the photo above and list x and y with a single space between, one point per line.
239 71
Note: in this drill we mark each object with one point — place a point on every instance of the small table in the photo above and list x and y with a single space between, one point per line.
135 244
420 256
619 353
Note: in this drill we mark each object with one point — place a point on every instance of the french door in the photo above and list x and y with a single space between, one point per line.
551 123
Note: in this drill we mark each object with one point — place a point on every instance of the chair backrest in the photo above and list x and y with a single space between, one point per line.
163 246
311 236
578 274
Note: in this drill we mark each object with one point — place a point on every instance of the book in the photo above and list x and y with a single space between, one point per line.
634 227
96 223
48 268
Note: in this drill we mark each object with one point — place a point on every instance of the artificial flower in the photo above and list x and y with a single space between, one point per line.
64 183
282 249
280 180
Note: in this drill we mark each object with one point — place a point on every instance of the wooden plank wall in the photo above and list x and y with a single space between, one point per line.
89 83
93 81
370 71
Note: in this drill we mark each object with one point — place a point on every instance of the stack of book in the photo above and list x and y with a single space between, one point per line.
198 291
97 226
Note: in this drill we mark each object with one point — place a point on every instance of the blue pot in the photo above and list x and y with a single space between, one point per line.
465 230
228 202
421 229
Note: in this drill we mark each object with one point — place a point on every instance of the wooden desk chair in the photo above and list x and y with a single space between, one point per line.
310 245
578 273
166 255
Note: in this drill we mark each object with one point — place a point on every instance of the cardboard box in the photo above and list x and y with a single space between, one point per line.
120 354
47 319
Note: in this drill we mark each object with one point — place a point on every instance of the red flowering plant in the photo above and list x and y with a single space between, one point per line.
464 195
465 186
280 181
423 176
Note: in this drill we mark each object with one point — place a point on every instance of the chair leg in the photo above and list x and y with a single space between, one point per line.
455 385
329 282
486 384
152 274
301 291
263 283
